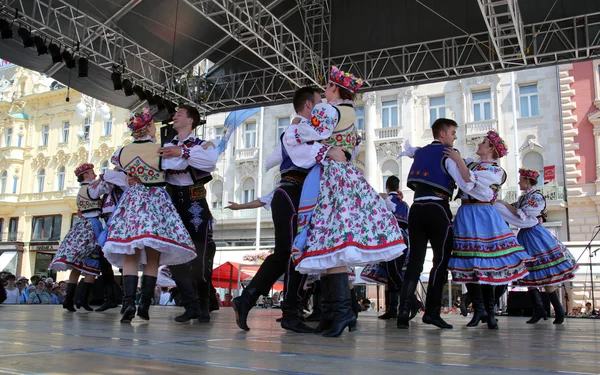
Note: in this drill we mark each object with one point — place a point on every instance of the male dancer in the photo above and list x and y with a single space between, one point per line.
186 188
286 199
433 177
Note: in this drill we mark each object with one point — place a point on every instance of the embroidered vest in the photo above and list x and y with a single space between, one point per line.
344 135
289 171
401 211
141 160
428 169
84 202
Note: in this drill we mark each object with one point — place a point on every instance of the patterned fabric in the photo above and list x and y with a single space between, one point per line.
345 80
324 119
375 273
84 168
84 202
344 135
147 218
78 245
350 224
196 211
485 249
165 277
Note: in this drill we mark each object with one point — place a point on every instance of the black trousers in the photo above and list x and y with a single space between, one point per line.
429 221
285 214
394 268
108 275
191 205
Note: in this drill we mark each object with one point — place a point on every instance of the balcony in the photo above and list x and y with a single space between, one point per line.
551 191
246 153
387 134
12 153
225 215
480 128
12 237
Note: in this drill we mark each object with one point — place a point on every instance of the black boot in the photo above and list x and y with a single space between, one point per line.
409 288
148 285
559 313
110 299
291 319
129 290
433 308
479 313
355 305
214 302
539 310
242 306
415 307
489 301
326 306
343 315
68 303
391 306
317 298
204 316
84 295
189 297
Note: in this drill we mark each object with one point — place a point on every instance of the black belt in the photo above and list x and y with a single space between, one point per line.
182 193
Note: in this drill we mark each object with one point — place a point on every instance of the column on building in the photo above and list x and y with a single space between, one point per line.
371 166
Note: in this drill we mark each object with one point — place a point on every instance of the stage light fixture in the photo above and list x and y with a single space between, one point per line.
170 106
5 30
55 53
115 77
40 45
83 67
127 87
25 35
150 98
68 58
160 102
139 91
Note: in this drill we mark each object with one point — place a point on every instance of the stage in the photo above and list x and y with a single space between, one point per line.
48 340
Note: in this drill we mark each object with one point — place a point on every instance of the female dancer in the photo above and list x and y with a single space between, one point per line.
350 223
486 252
145 229
552 263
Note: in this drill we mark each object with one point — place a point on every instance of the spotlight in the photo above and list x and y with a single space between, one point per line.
69 60
83 67
115 77
160 102
25 37
55 53
150 97
5 30
139 91
127 87
170 106
40 45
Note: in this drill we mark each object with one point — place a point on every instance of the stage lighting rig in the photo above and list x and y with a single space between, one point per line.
115 77
55 53
127 87
68 58
150 98
139 91
83 67
5 30
25 35
40 45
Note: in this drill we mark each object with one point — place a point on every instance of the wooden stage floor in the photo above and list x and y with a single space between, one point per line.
47 340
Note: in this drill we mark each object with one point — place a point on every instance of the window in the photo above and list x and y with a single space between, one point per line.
360 118
389 114
40 180
528 99
15 183
250 135
74 219
86 128
8 137
104 167
3 178
533 160
19 140
389 168
1 228
13 227
482 106
46 227
219 132
217 195
282 124
248 190
65 131
108 127
61 179
437 108
45 135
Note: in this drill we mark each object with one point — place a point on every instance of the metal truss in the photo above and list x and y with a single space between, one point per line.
102 43
251 24
504 24
316 18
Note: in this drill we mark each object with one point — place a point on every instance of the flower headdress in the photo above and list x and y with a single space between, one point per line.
140 120
83 168
529 173
345 80
498 143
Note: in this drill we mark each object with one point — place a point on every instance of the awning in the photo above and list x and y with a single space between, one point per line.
8 261
229 274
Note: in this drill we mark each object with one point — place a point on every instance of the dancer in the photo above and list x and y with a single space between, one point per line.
345 222
145 227
79 250
486 252
186 188
551 263
285 208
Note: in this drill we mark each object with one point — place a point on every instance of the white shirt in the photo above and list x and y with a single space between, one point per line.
12 296
204 160
303 155
164 299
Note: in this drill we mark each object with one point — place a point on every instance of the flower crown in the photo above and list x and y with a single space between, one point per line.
498 143
345 80
140 120
83 168
529 173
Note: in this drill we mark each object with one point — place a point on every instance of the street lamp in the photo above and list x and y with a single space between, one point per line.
89 107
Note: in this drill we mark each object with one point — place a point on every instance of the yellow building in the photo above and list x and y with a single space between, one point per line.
43 138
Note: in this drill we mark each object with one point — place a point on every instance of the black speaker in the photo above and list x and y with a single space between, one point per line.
520 304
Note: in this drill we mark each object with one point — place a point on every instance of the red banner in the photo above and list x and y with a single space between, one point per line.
549 173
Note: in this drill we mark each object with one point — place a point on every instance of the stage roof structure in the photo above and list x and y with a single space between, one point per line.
257 52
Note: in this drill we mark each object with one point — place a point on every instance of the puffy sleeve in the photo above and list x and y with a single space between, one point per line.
198 157
267 199
516 220
528 210
389 204
275 159
103 187
116 159
303 155
176 164
116 178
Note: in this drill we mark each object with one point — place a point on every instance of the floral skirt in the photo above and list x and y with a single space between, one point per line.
552 263
350 224
79 249
485 250
146 218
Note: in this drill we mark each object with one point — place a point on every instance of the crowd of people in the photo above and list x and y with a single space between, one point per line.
40 290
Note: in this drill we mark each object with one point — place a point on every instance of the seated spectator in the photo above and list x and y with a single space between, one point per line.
13 295
39 295
165 297
55 296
